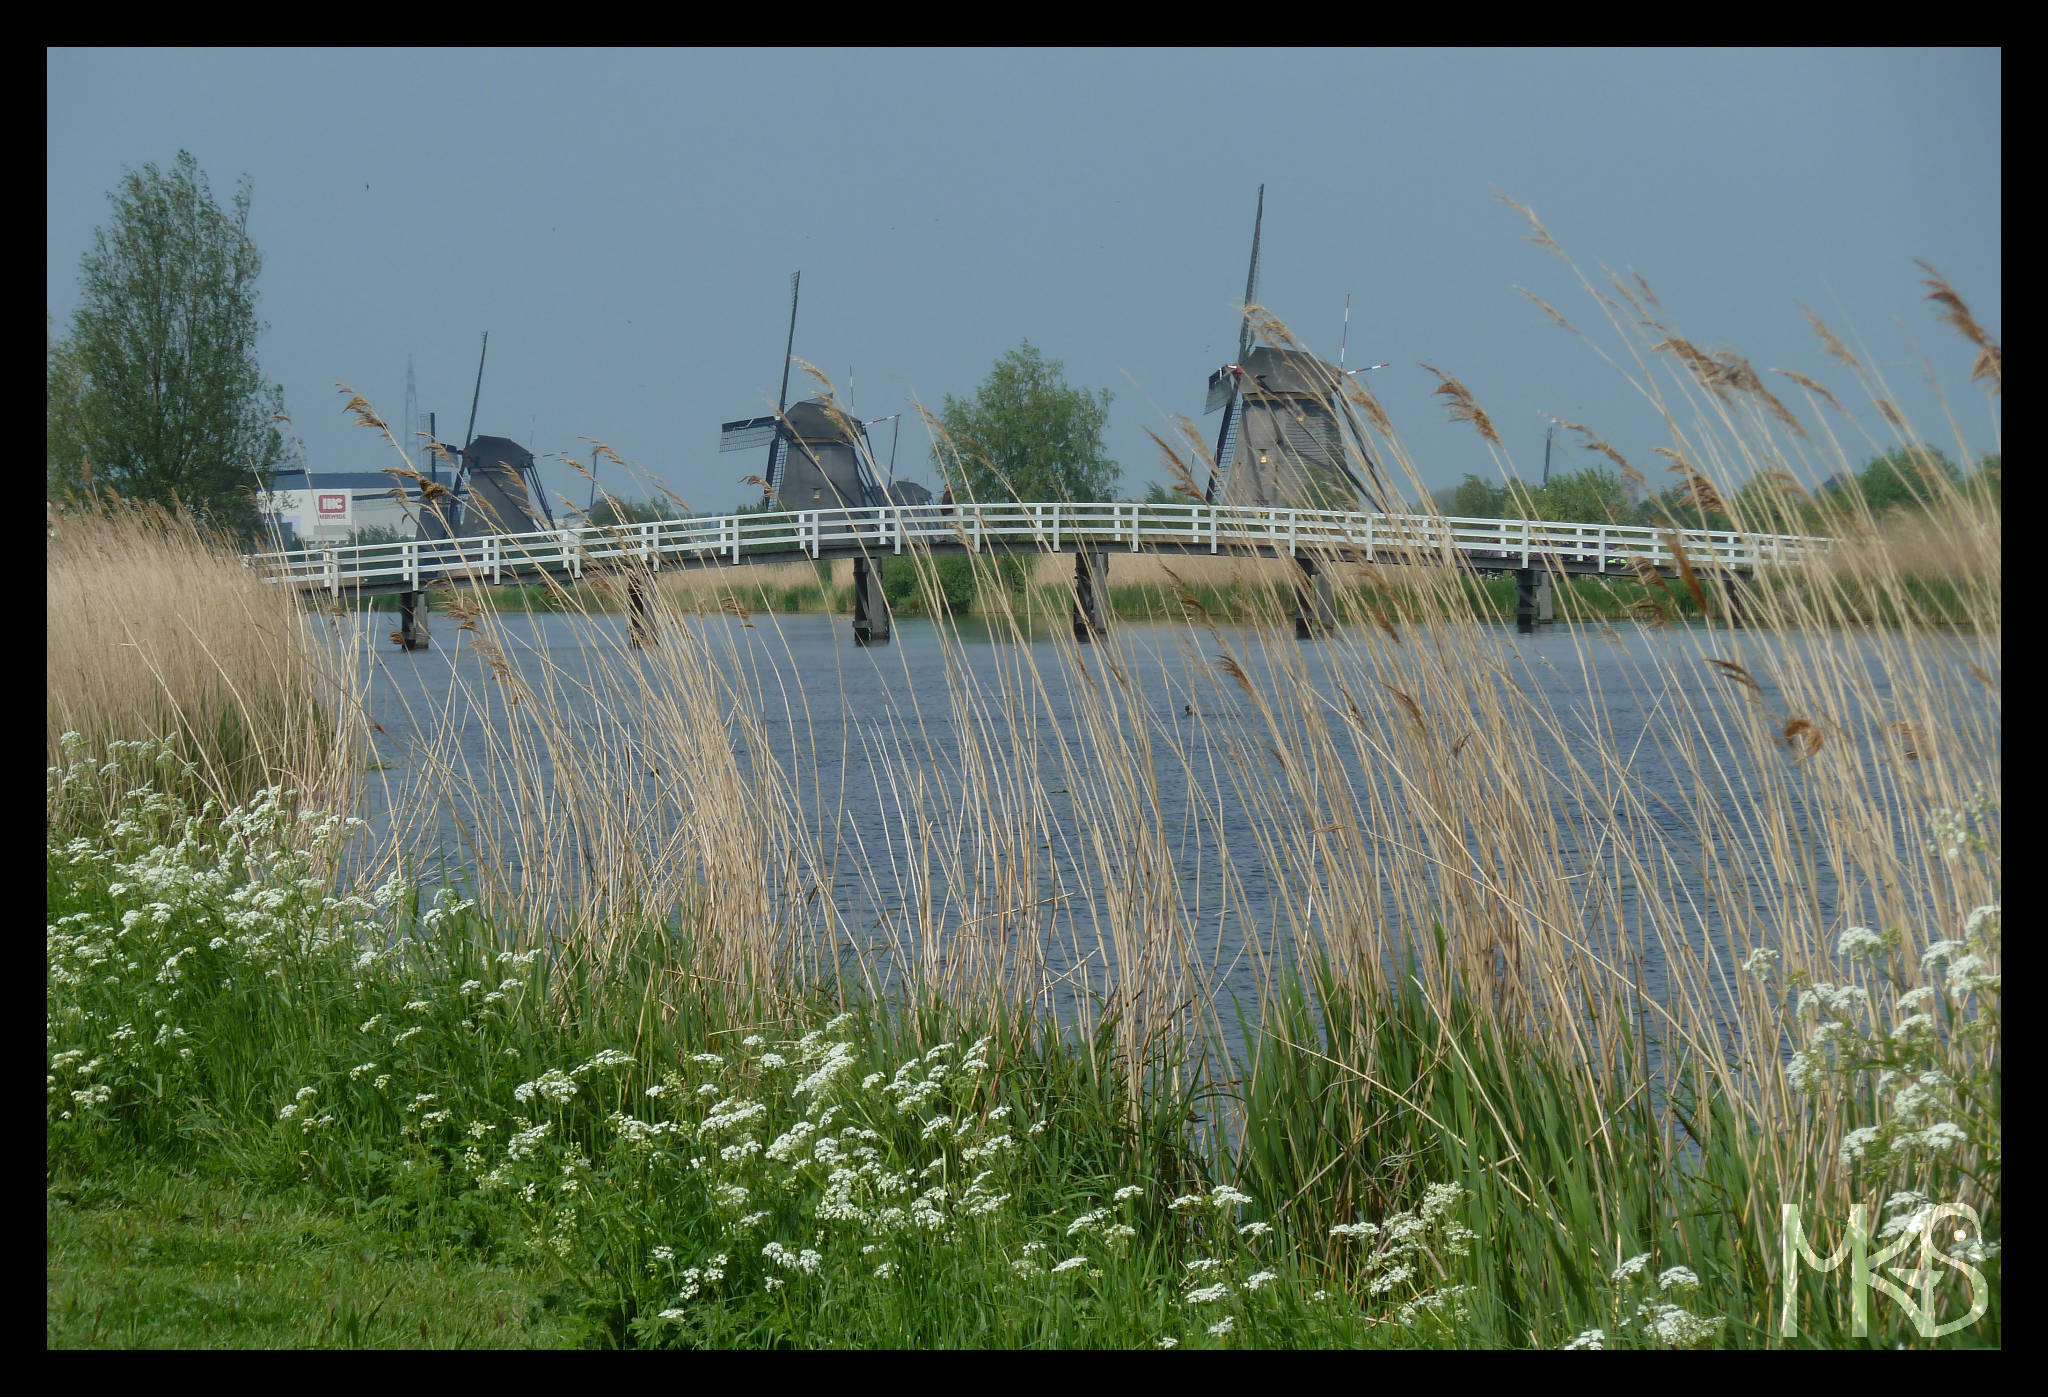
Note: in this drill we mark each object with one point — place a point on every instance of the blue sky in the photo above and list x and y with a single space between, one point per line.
624 225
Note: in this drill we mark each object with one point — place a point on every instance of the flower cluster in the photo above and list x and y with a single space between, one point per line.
1409 1252
1660 1317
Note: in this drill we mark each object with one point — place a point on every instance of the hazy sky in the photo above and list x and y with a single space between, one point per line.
624 225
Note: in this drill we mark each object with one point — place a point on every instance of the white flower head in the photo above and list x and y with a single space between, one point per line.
1631 1267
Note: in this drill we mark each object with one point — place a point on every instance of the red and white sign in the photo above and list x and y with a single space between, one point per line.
331 506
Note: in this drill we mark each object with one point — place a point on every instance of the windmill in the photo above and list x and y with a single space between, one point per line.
496 489
1282 443
818 456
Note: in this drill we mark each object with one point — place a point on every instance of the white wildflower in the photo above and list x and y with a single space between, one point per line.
1630 1267
1944 1135
1938 952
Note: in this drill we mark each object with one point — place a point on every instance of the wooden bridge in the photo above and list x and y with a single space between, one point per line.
1533 550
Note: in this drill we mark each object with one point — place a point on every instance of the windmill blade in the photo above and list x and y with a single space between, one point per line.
1222 386
540 496
778 457
1376 494
1251 280
895 417
873 489
1226 397
789 349
469 436
780 449
746 434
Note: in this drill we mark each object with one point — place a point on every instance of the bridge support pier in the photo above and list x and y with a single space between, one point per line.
639 613
412 621
1738 600
1535 603
870 605
1091 593
1315 604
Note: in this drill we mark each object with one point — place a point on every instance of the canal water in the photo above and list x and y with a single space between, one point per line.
852 727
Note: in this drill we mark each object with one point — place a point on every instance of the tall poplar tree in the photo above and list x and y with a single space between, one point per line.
157 392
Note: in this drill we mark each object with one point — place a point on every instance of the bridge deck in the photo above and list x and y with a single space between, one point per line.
1486 545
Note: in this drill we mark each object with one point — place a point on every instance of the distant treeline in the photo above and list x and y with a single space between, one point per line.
1770 502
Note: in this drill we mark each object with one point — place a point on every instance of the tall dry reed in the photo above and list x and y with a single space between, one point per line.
155 629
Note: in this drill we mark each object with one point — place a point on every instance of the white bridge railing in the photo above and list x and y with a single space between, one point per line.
770 537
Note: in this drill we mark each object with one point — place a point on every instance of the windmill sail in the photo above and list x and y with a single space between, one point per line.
746 434
1222 384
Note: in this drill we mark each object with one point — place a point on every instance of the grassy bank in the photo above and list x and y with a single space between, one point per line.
368 1122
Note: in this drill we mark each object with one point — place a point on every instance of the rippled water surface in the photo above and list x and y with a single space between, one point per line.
850 725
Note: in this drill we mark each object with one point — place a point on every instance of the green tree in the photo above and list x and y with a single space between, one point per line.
1026 434
66 468
1991 476
1590 496
1680 507
1475 499
1773 502
612 511
162 390
1909 476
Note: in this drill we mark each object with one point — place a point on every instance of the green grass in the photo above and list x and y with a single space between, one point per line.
156 1259
374 1123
